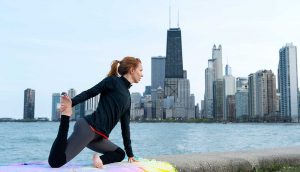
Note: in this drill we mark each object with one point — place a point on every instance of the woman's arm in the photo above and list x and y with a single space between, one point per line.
105 85
125 120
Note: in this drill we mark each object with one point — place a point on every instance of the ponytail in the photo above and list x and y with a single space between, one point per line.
125 65
114 68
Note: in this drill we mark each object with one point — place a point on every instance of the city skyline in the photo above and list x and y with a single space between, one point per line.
52 48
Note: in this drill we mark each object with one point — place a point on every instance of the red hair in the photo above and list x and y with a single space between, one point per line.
125 65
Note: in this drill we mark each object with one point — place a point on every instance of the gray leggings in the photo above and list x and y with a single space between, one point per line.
82 137
64 149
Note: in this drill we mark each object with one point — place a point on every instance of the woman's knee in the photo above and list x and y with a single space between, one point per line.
56 161
121 154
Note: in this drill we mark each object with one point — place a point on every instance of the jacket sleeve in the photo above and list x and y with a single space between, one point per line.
103 86
125 120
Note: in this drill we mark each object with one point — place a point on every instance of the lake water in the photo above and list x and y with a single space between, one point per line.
31 141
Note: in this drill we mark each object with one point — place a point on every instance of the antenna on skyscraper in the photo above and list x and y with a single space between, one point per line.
169 14
178 19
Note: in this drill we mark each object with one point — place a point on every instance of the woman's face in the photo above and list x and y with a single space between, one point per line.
137 73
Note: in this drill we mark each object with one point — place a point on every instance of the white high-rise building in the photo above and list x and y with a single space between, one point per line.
229 89
71 92
288 82
218 65
208 95
218 100
184 103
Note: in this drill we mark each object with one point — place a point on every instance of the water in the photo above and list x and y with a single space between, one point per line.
24 142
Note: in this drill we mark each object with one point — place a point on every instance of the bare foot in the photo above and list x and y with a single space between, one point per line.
97 161
66 105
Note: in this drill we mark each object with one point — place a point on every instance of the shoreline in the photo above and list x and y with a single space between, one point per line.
203 121
258 160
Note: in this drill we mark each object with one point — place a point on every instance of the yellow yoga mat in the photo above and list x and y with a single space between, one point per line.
144 165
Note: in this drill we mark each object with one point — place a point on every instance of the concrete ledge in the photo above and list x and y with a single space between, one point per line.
234 161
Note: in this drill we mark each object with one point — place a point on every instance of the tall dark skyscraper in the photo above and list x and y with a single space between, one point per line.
174 66
158 65
29 101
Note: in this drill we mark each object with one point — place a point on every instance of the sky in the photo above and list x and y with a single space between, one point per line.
52 46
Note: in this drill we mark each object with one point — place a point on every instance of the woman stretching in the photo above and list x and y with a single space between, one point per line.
93 130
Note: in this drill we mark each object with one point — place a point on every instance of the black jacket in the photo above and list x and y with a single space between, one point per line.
114 105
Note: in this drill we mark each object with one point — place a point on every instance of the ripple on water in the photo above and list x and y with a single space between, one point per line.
32 141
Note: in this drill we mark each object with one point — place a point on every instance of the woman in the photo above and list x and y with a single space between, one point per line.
93 130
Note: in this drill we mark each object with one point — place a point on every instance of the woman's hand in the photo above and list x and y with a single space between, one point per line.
66 105
131 160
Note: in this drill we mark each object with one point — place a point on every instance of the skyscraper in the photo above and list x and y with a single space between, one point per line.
147 90
241 104
157 72
288 82
55 107
183 101
192 107
228 70
263 95
241 97
266 94
71 94
218 64
174 66
29 101
214 83
230 108
147 105
270 113
251 95
218 91
229 90
157 84
241 83
218 97
176 86
136 111
159 103
208 95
